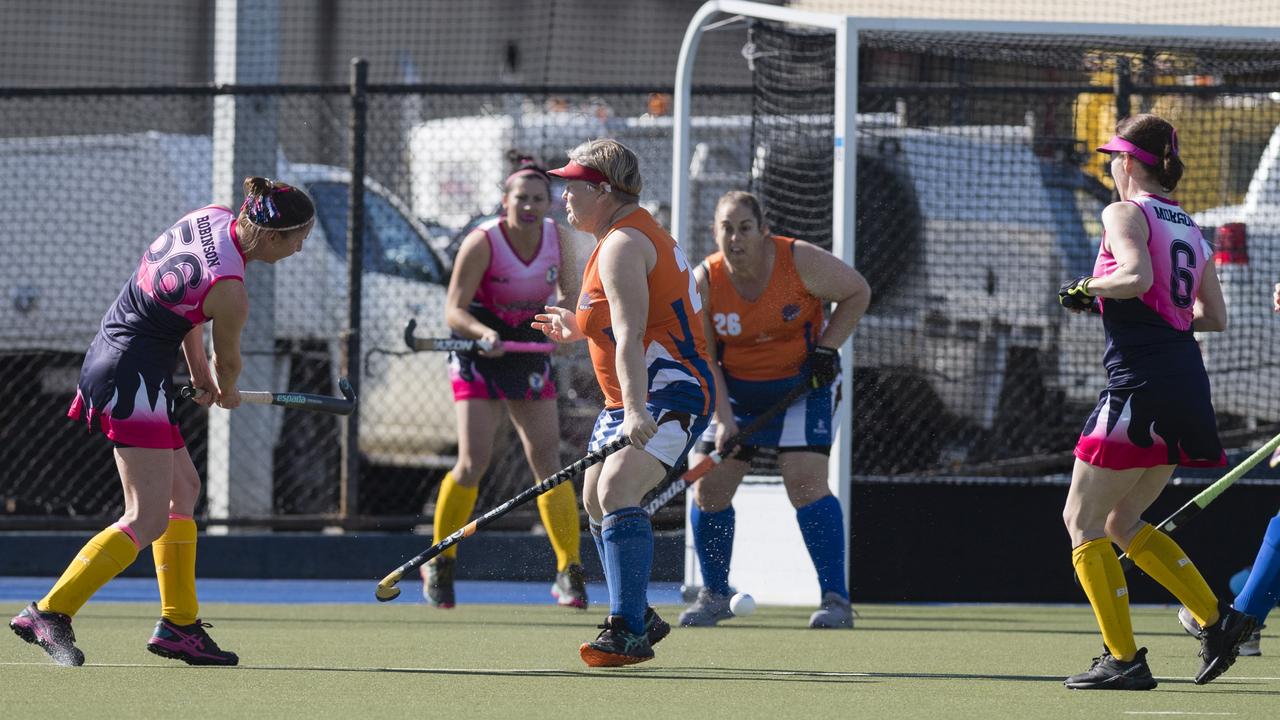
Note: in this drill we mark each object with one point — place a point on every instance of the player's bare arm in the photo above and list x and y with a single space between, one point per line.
198 364
1125 234
625 283
1210 311
227 305
830 279
468 270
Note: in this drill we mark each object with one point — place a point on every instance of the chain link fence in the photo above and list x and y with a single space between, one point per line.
977 195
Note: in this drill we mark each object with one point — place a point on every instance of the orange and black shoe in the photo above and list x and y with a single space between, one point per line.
616 646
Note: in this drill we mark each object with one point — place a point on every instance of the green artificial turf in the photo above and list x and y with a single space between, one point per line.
509 661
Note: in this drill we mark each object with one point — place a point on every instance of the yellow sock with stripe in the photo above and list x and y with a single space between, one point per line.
1103 581
559 510
175 557
1161 558
453 509
106 555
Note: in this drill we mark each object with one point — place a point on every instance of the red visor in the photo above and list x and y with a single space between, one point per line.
574 171
1119 144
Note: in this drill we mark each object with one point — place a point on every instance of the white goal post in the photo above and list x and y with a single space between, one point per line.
846 30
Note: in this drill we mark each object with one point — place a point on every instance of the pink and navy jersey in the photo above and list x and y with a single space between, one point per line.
164 298
1151 336
513 290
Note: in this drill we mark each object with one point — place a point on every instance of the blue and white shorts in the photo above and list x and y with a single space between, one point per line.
677 431
808 424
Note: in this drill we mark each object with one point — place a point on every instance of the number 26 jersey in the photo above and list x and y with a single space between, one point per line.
165 297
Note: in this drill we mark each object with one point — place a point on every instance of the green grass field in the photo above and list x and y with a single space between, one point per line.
358 661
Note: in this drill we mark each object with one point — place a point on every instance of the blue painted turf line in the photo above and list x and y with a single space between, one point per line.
29 589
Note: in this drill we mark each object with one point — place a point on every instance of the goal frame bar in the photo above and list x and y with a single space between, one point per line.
843 219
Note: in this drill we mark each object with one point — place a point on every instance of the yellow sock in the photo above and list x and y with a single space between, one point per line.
1161 558
453 509
102 558
559 510
1103 581
175 556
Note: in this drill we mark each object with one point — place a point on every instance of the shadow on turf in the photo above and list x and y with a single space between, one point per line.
575 618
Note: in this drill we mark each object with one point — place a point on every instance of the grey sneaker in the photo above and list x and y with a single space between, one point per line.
835 612
437 585
1251 647
1188 622
709 609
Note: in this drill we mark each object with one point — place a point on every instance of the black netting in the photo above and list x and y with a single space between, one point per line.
977 194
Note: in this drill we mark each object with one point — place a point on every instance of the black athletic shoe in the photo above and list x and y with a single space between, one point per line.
1220 642
1251 647
1109 673
437 585
51 631
189 643
655 628
616 646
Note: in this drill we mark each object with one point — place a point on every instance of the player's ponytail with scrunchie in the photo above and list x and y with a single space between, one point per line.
272 205
1158 137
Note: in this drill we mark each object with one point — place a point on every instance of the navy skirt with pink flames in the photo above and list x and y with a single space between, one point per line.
130 396
1159 421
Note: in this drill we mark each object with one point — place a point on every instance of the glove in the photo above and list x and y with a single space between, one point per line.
1074 295
824 366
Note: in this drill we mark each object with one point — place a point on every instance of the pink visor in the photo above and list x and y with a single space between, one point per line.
1119 144
574 171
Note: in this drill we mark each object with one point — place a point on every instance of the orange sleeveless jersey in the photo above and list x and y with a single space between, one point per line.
767 339
674 342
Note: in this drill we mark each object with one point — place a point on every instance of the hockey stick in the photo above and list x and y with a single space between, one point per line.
344 405
418 344
1206 496
695 473
387 589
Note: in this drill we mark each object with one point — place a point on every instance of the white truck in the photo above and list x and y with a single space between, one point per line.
457 164
78 211
1242 360
964 232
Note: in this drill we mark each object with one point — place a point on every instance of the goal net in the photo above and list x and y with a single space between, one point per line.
978 193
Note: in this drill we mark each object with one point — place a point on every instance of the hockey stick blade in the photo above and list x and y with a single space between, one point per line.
387 589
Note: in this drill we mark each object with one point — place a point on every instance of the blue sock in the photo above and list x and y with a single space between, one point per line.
599 540
1262 589
628 545
822 525
713 541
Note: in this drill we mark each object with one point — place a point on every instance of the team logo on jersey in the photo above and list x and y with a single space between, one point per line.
790 312
584 302
552 274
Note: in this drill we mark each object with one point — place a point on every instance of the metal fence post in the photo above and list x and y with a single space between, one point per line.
240 478
1124 89
350 477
